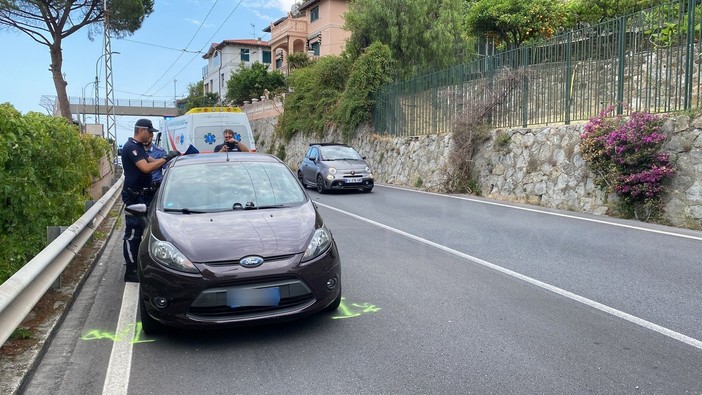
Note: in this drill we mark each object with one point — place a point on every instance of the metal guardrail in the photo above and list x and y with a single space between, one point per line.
24 289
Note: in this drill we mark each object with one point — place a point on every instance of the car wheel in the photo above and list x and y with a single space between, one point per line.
320 184
302 180
149 325
366 190
335 304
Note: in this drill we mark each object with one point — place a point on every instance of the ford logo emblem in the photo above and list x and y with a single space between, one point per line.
251 261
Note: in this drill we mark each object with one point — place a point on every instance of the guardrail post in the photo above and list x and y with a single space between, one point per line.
52 232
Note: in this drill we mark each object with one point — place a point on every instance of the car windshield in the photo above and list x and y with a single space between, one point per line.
339 152
211 187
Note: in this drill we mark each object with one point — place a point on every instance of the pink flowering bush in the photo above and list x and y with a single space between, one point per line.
624 154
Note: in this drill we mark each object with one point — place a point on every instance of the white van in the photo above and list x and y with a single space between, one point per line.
202 128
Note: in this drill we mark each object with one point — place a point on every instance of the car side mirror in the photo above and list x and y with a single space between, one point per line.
138 209
363 157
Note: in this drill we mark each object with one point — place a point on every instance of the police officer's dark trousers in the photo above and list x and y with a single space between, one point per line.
133 231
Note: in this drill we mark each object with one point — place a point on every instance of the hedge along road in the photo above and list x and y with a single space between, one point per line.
425 311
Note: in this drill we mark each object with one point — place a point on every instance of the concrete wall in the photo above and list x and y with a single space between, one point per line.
106 179
540 166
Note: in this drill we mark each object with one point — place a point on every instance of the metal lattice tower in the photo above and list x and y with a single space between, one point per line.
109 91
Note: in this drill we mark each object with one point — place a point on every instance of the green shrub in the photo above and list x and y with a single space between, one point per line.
21 334
502 139
314 97
369 73
46 169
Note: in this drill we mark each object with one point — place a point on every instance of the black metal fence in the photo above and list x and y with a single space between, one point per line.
648 61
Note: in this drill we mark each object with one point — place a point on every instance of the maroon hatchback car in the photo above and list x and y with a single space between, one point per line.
233 239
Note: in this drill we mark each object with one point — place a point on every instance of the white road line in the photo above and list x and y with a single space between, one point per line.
591 303
534 210
120 365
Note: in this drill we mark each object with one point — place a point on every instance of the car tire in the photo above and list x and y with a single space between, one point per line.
366 190
301 179
335 304
148 324
320 184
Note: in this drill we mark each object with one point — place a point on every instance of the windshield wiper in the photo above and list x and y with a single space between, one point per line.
265 207
184 210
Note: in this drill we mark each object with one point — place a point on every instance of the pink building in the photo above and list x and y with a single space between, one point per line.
314 26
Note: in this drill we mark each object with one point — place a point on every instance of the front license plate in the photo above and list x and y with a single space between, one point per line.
353 180
252 297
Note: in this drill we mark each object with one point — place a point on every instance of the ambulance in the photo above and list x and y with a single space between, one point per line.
200 129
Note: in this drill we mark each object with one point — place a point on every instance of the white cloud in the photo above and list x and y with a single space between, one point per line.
281 5
265 17
198 23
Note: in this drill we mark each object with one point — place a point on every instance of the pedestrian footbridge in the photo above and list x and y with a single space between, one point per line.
136 107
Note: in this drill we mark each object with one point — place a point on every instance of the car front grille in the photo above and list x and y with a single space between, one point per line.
211 304
267 259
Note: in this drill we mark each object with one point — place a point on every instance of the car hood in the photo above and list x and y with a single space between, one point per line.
347 165
232 235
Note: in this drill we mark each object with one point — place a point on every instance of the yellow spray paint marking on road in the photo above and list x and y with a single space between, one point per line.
119 336
354 309
345 310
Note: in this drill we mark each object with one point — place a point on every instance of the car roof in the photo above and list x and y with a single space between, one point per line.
325 144
223 157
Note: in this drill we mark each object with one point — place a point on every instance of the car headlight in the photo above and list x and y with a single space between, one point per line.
321 240
367 169
168 255
331 170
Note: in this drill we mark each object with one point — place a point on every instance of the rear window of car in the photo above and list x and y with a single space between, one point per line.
339 152
220 187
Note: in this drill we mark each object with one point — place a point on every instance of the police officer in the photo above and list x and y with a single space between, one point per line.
137 167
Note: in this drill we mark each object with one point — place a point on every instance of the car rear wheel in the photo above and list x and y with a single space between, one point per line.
302 180
149 325
320 184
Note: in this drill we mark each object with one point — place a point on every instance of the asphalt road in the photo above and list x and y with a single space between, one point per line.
442 295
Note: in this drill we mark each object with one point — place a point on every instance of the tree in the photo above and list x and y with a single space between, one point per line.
196 98
596 11
49 22
513 22
421 34
252 82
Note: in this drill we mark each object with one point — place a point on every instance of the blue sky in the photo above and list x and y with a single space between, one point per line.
148 61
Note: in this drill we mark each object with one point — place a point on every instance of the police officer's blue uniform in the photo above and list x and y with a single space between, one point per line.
135 184
157 153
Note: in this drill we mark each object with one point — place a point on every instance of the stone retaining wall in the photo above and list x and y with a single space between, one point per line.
541 166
